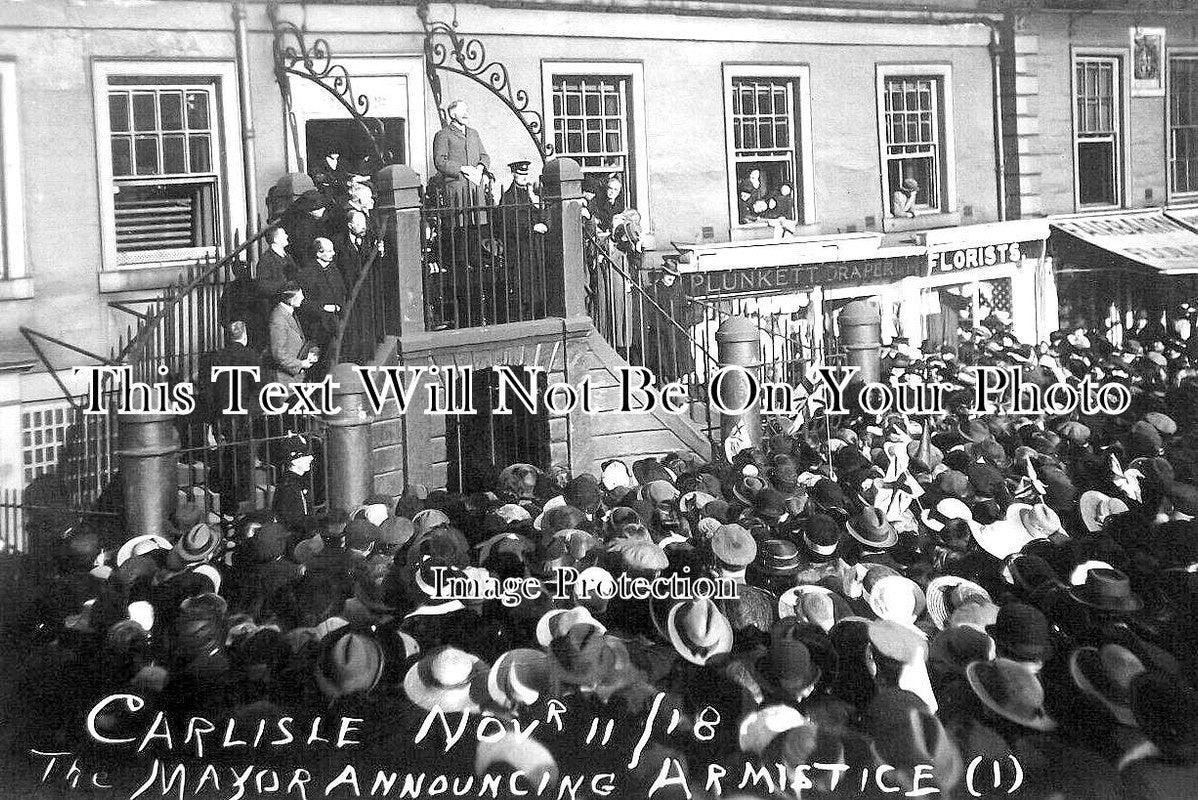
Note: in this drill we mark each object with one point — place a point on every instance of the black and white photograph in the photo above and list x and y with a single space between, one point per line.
598 400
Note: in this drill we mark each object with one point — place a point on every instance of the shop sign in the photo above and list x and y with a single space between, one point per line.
802 277
989 255
1152 239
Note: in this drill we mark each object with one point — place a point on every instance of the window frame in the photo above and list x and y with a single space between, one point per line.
1123 146
14 283
634 71
943 74
803 148
227 152
1187 54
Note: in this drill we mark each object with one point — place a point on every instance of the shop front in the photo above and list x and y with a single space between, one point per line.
982 274
1125 273
794 290
950 280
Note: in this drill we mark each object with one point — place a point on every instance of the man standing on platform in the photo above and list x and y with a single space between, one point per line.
460 158
522 222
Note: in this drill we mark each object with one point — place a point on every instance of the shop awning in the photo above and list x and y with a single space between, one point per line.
1141 240
1187 216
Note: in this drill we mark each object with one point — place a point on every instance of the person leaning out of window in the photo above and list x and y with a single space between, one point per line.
903 202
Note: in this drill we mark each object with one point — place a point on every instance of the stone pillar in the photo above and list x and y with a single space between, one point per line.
348 451
561 182
860 325
739 343
398 207
148 454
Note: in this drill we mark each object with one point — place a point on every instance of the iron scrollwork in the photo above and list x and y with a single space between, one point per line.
468 57
294 56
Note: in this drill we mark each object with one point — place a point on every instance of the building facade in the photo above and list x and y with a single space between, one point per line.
138 139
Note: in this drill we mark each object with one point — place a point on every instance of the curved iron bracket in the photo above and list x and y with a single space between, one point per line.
294 56
445 49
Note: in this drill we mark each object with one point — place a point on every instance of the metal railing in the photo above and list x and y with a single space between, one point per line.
488 264
170 337
231 466
650 326
31 519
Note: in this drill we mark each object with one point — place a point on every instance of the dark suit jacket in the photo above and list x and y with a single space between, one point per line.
321 287
214 393
352 258
273 271
293 499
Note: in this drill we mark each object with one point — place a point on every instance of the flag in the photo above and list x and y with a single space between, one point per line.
738 439
813 402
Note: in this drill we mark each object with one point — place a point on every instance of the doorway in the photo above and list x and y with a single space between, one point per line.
346 137
479 445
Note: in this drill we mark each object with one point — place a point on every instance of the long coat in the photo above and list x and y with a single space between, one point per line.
273 271
352 258
453 150
322 287
286 341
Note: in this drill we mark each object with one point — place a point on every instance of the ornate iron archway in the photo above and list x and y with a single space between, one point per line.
445 49
311 59
294 56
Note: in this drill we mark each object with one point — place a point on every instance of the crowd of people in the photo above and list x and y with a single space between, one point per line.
977 602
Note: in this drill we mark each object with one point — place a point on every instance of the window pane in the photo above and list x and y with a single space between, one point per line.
174 154
118 111
1096 173
122 155
170 105
165 216
201 153
1183 121
144 109
146 155
591 120
197 111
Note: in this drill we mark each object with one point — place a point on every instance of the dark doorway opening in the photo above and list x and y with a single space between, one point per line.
480 445
346 137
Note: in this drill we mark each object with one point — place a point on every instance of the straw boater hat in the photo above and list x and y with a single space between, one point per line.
142 545
1002 538
1039 520
445 678
762 726
519 678
1011 691
947 509
948 593
557 622
816 604
896 598
1096 507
